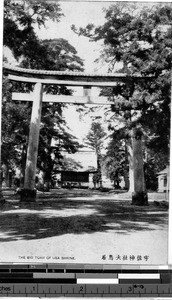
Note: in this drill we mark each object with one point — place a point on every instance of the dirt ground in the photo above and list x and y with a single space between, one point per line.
84 226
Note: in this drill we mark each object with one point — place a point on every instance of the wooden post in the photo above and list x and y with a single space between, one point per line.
139 197
29 192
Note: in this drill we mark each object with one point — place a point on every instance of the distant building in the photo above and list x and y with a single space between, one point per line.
163 180
83 176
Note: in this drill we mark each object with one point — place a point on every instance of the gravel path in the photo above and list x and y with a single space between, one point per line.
80 228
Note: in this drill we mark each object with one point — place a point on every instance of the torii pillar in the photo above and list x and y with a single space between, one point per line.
28 194
40 77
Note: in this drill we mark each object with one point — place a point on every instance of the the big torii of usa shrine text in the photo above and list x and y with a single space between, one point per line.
40 78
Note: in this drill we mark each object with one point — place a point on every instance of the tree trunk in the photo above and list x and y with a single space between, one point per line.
48 165
131 167
99 169
23 166
139 196
2 200
126 175
5 171
47 181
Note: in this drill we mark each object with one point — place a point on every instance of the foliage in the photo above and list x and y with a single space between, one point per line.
69 164
94 139
15 127
139 39
20 21
62 55
114 161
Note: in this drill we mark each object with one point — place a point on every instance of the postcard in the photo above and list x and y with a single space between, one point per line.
85 147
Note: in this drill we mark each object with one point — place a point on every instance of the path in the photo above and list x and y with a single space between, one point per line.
83 226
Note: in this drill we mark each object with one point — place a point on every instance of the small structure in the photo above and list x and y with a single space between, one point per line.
74 179
163 180
79 172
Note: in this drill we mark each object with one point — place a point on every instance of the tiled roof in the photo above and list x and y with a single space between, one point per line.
165 171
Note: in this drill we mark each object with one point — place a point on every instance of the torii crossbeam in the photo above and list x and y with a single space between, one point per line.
87 81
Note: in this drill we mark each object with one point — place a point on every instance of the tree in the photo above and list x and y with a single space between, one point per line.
15 129
94 139
53 140
70 164
139 38
115 160
62 55
20 19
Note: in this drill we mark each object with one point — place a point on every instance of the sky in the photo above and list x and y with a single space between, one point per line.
79 14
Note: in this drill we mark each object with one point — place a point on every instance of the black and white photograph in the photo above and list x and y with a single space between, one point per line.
85 132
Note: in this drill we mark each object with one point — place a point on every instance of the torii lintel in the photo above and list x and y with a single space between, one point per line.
41 77
68 78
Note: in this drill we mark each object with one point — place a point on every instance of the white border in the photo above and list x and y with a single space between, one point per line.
170 195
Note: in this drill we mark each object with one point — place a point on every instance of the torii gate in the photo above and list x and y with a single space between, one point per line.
43 77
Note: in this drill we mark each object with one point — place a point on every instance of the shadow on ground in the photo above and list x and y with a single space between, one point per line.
55 215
